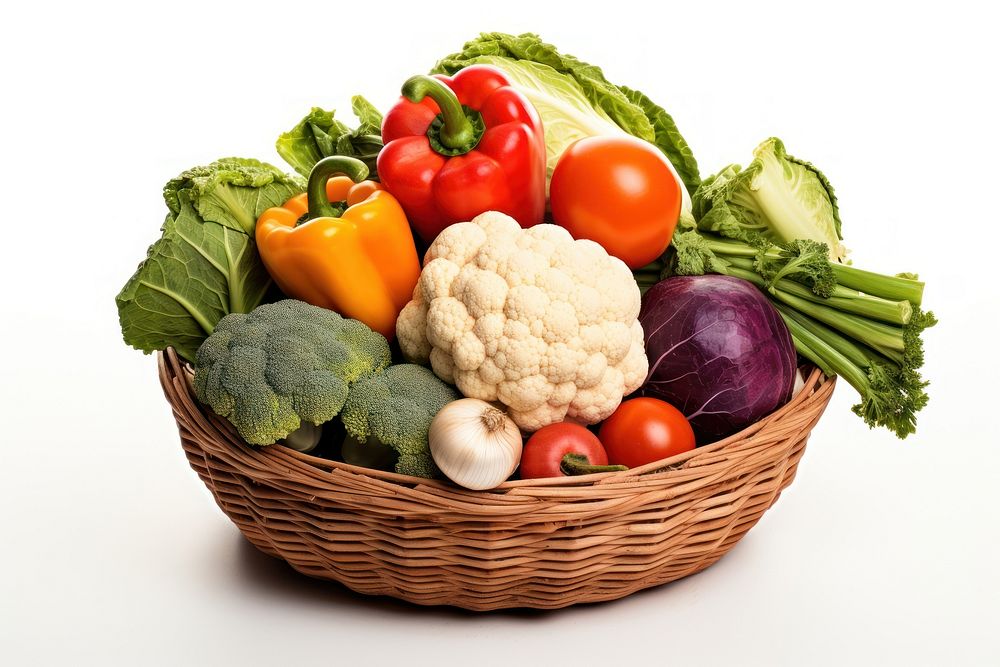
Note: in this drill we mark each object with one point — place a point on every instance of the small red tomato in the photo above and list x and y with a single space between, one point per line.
619 192
558 450
643 430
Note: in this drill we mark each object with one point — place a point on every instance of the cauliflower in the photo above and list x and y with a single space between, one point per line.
528 317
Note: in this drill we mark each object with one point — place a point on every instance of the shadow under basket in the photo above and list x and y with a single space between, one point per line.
541 544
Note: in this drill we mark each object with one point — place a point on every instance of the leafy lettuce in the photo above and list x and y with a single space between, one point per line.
205 265
320 135
777 197
574 99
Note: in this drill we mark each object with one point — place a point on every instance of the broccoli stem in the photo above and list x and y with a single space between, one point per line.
890 395
893 288
887 287
649 275
841 344
844 299
822 353
802 347
877 334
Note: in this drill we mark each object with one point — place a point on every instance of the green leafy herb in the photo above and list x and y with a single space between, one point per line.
320 135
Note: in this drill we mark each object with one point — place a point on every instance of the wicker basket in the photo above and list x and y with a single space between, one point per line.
534 543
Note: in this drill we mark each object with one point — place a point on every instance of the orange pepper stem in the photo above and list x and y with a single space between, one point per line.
319 205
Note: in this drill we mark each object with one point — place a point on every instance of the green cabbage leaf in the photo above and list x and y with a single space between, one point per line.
205 264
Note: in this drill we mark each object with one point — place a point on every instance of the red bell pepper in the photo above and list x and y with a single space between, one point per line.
458 146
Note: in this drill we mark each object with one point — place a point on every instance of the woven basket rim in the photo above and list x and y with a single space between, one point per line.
817 388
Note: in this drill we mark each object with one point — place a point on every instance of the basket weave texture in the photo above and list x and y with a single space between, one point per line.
531 543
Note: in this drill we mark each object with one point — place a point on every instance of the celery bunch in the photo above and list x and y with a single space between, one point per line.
772 224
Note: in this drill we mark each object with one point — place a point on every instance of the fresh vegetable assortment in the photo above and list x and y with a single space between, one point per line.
586 301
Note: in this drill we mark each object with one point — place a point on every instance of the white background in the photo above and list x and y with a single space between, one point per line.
111 550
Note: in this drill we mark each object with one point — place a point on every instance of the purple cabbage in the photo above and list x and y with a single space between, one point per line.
718 351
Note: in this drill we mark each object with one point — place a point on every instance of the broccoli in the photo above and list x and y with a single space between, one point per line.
395 408
283 364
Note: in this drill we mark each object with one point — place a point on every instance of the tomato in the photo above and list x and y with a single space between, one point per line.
619 192
545 454
643 430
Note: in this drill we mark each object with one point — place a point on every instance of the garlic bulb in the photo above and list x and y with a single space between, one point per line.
474 444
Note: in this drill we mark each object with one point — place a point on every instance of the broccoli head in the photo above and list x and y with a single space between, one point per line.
395 408
284 363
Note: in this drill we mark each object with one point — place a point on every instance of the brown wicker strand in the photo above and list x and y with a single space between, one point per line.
529 543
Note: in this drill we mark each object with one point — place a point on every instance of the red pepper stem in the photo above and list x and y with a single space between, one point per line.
319 203
456 132
578 464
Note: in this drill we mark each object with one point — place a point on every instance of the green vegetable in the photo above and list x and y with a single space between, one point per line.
394 409
574 99
283 364
305 438
205 265
320 135
777 196
776 225
871 338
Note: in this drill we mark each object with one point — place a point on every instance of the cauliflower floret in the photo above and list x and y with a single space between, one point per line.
525 394
436 279
562 361
617 340
457 243
555 283
447 320
526 303
489 329
588 304
442 365
468 352
597 402
531 318
635 365
559 323
411 332
473 386
525 267
481 291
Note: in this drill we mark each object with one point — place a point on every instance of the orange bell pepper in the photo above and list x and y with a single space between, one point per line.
344 244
